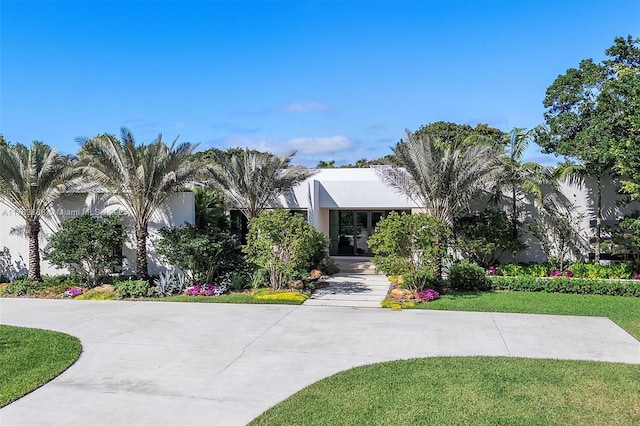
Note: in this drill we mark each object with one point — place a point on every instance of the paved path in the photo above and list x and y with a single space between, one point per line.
155 363
351 289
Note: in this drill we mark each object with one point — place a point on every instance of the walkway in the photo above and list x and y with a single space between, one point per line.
356 285
159 363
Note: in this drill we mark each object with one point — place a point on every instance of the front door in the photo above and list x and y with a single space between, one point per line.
350 230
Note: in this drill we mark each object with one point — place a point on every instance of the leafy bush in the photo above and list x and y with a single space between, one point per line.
285 245
22 288
133 288
579 269
467 276
259 278
567 285
87 246
404 243
202 253
598 271
420 279
484 236
525 269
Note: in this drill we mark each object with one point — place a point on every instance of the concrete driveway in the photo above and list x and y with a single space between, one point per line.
157 363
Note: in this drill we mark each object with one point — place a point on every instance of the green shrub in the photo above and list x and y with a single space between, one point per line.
404 243
285 245
90 247
133 288
467 276
568 285
598 271
22 287
421 279
525 269
204 254
483 237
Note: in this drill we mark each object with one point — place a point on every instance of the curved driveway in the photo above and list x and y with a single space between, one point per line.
188 363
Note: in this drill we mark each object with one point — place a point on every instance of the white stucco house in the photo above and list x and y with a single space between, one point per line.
344 204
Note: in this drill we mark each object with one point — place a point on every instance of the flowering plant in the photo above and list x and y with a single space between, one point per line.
558 273
207 289
428 295
73 292
492 270
636 276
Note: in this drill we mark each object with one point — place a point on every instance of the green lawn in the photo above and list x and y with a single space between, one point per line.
468 390
30 358
624 311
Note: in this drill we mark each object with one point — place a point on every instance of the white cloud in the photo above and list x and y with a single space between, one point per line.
321 145
301 107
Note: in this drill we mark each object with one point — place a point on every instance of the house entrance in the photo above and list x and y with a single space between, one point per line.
349 231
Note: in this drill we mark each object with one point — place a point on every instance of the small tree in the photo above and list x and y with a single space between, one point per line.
88 246
406 243
484 237
559 236
201 253
285 245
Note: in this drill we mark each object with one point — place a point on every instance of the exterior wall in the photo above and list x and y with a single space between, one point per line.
362 189
179 209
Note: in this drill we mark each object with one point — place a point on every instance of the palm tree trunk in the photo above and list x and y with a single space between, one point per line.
33 232
598 218
514 220
142 270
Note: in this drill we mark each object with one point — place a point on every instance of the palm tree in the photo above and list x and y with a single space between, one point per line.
575 174
519 180
441 177
31 180
142 177
252 181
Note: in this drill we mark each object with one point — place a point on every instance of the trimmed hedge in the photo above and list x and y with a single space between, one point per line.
567 285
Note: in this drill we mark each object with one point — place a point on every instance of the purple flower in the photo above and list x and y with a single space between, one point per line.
194 290
492 270
636 276
428 295
568 273
73 292
555 273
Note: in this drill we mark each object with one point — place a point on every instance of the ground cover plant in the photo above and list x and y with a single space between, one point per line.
31 357
624 311
468 390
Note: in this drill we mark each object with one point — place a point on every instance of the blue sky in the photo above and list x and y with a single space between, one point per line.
334 80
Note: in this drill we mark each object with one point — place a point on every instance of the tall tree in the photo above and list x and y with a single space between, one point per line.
620 100
589 113
252 181
519 181
142 177
31 180
453 133
442 178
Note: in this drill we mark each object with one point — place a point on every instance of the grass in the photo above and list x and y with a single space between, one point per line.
468 390
31 357
624 311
